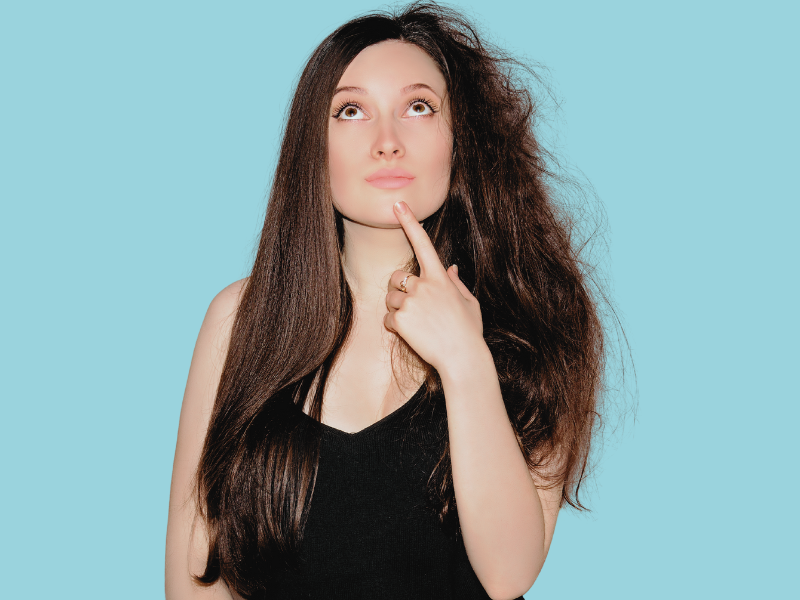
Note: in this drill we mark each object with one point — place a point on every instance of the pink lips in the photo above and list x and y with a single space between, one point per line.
390 178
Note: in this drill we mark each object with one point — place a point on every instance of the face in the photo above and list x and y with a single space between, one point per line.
388 135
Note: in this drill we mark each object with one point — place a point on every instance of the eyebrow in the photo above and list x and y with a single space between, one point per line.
350 88
417 86
405 90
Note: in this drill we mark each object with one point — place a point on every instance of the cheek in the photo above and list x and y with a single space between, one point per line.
435 154
337 166
440 152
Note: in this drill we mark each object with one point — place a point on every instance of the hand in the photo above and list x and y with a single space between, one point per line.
437 315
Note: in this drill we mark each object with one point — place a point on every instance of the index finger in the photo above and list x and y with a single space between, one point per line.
427 257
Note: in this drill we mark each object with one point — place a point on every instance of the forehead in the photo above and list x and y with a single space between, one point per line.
391 66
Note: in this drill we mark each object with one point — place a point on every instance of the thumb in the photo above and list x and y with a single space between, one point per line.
452 273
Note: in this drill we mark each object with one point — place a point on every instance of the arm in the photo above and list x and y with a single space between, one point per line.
187 548
506 521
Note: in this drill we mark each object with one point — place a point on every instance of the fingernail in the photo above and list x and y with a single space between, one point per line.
401 207
455 268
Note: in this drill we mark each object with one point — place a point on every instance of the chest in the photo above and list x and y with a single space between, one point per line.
362 388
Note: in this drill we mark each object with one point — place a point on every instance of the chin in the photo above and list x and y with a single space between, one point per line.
377 210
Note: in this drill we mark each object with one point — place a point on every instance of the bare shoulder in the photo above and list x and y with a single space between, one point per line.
223 306
211 347
215 332
186 545
230 295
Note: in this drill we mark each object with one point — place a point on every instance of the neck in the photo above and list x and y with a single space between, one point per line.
371 255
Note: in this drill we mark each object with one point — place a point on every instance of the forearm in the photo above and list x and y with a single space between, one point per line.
499 508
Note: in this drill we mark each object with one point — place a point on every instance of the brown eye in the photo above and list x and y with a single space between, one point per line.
420 109
350 111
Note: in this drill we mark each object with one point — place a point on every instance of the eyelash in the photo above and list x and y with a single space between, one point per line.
338 111
345 104
434 108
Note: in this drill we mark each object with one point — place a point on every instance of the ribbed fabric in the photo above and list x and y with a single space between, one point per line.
369 533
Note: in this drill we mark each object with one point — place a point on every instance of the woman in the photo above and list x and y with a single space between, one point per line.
401 396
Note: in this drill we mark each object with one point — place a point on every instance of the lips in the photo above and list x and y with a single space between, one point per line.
390 178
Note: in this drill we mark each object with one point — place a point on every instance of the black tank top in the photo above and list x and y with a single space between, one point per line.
370 533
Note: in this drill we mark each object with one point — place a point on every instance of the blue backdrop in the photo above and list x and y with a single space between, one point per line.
137 142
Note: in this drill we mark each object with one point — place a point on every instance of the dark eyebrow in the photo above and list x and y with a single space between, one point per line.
405 90
417 86
350 88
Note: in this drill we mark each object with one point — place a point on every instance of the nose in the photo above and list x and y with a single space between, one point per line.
387 144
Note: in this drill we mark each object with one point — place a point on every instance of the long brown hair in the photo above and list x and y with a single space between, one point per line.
500 223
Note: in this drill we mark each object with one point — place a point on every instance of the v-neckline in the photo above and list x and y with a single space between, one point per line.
399 411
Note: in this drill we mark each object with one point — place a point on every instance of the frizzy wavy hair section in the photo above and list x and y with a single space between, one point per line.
513 244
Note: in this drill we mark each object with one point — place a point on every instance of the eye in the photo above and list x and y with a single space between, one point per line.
349 111
420 108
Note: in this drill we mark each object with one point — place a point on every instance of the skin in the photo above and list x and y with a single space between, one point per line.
392 127
386 126
506 519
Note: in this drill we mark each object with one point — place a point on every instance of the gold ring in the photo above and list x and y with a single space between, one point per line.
403 283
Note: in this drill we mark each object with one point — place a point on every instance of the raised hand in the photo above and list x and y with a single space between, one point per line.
436 314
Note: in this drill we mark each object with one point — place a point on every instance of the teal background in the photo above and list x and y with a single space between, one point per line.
137 142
